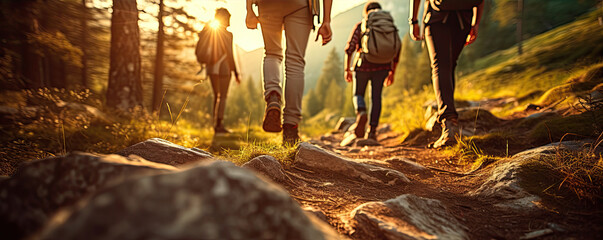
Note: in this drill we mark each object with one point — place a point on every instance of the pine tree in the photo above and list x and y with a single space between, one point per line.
158 76
124 90
334 100
332 72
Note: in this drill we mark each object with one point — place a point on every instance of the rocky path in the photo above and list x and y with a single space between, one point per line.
398 192
157 189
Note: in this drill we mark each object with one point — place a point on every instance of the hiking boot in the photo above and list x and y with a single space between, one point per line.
272 116
290 135
361 119
450 131
372 133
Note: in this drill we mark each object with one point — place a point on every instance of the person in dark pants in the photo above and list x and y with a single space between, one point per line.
377 74
446 33
220 71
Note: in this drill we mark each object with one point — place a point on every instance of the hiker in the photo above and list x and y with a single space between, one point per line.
376 62
296 18
215 49
449 26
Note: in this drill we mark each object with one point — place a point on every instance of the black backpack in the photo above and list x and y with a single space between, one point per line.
453 5
209 47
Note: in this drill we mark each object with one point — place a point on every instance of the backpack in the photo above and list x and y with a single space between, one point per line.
380 41
209 47
453 5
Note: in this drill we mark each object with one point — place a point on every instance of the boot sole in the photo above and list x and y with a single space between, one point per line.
272 120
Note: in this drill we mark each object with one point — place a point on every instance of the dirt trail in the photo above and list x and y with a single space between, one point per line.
337 195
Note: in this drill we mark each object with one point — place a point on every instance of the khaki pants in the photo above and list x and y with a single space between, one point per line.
297 25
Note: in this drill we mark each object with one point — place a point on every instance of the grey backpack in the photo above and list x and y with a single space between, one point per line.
453 5
380 41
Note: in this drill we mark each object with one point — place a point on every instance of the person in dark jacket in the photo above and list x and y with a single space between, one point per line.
220 71
446 33
377 74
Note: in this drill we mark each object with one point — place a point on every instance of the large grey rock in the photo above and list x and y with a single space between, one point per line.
405 217
162 151
317 158
213 201
39 188
267 166
504 181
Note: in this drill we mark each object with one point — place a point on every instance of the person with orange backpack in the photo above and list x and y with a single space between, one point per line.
376 43
215 51
449 26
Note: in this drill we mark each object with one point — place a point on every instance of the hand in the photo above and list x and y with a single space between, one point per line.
251 20
389 80
416 33
349 76
472 35
325 32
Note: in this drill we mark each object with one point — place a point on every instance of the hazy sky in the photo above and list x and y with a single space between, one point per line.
245 38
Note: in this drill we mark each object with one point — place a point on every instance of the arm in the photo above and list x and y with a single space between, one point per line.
325 28
231 61
350 49
251 20
414 22
477 18
348 72
390 78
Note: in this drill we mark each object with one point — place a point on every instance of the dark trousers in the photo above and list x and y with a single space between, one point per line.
445 41
219 84
376 78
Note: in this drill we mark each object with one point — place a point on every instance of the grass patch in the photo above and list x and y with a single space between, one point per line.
584 125
567 175
468 153
284 154
51 122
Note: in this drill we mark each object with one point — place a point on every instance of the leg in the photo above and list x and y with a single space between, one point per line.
438 39
272 29
224 84
297 32
360 83
215 86
458 37
377 79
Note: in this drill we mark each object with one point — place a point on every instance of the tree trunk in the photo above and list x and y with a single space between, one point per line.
520 27
84 23
56 74
32 63
158 81
124 91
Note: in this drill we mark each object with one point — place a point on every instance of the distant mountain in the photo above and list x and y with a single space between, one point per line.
342 24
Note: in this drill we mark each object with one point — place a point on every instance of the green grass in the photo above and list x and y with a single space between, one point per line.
284 154
549 59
